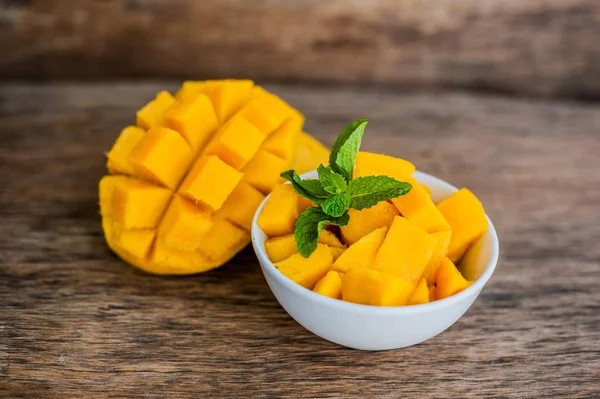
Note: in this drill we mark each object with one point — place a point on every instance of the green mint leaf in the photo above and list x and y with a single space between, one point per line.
309 226
337 205
310 189
332 182
368 191
345 148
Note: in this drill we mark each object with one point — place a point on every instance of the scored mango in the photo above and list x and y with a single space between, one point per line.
184 183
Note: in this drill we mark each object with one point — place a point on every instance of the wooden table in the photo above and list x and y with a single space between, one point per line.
77 322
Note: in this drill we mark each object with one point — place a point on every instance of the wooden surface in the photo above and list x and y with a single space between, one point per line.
76 322
545 47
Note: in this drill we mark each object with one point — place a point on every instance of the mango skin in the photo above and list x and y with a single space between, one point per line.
172 136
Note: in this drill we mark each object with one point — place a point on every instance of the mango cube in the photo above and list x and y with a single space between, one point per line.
283 141
265 121
420 295
136 242
449 280
370 164
236 143
153 157
210 181
106 189
281 248
224 237
118 157
152 114
229 96
467 217
309 152
405 252
330 285
240 206
307 271
280 213
138 204
430 219
184 225
263 171
328 238
366 220
189 91
361 253
195 120
173 261
442 239
372 287
432 289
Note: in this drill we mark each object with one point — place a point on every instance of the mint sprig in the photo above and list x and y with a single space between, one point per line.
335 192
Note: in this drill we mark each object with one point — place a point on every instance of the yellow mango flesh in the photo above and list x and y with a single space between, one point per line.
307 271
330 285
280 213
420 295
466 215
366 220
372 287
449 281
361 253
281 248
185 182
370 164
431 288
405 252
310 152
442 239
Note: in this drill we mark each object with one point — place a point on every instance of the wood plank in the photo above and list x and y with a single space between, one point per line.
78 322
525 47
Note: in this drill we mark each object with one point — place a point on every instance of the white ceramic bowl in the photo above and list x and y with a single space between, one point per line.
374 327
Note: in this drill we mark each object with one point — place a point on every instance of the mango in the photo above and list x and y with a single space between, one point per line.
330 285
185 182
361 253
420 295
369 164
307 271
432 288
405 251
280 213
366 220
372 287
281 248
442 239
418 207
449 281
467 219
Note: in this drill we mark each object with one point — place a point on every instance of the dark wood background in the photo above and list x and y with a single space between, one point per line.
76 322
541 48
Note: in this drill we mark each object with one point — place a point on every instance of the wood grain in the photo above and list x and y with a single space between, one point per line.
527 47
77 322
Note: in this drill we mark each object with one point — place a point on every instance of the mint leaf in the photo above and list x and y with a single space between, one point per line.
332 182
368 191
337 205
309 226
310 189
345 148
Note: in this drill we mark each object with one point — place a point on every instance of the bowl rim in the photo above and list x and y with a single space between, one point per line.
268 267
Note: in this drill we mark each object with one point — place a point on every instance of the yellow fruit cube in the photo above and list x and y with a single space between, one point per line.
310 152
236 143
229 96
466 215
328 238
118 157
336 252
280 213
136 242
153 156
195 120
372 287
449 281
282 142
442 239
265 121
240 206
361 253
138 204
431 289
430 219
178 262
369 164
307 271
184 225
330 285
405 251
152 114
189 91
106 189
263 171
420 295
281 248
366 220
223 238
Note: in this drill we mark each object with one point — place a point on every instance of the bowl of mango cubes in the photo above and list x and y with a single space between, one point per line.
371 254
